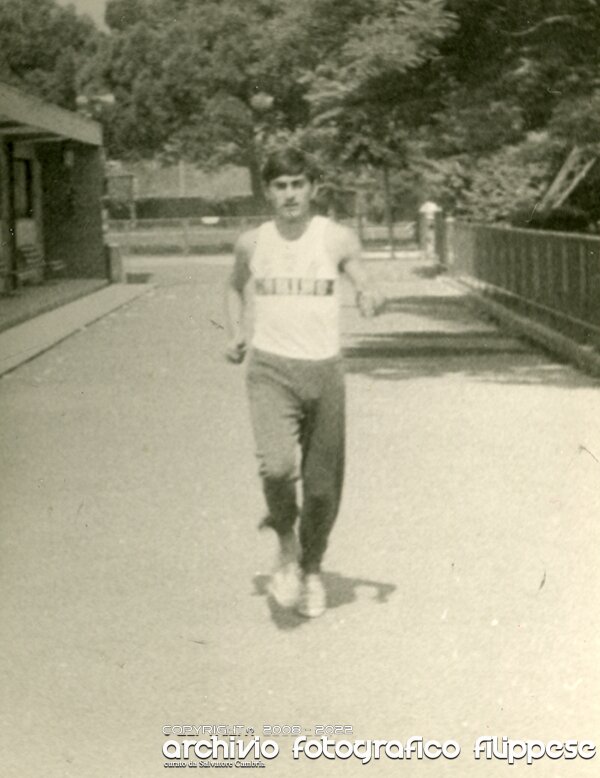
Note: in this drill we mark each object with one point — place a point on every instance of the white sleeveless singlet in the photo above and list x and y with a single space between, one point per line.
296 294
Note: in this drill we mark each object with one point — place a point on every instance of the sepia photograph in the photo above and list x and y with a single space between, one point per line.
300 388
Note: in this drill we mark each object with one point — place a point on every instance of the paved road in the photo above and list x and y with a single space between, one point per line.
462 576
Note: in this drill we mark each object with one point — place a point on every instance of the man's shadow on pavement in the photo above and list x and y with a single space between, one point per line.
340 591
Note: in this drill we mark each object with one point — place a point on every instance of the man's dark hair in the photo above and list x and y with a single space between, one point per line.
288 162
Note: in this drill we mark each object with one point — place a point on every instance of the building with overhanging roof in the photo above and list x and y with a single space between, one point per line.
51 188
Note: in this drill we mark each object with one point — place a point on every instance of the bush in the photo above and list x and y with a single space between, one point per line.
564 219
185 207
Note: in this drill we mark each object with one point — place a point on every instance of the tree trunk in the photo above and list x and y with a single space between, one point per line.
359 214
256 180
389 218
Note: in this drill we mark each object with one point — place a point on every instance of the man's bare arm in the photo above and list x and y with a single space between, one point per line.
369 298
235 301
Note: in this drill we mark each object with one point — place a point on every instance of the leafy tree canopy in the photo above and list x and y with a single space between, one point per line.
212 81
185 77
437 89
42 48
515 87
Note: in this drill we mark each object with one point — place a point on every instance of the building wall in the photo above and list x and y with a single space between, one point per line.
72 187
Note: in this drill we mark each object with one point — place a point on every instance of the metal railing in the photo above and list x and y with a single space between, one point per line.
180 224
550 276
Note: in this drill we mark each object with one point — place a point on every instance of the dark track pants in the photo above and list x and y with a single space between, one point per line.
298 416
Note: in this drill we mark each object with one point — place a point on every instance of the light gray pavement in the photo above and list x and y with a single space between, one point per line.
35 299
462 575
27 340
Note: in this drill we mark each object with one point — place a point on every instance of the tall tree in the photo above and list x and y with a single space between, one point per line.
363 94
186 79
516 88
43 46
212 80
437 88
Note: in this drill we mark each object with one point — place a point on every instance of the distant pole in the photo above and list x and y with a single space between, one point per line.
389 218
449 241
181 171
133 203
359 214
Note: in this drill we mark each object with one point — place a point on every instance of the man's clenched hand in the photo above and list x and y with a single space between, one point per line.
236 349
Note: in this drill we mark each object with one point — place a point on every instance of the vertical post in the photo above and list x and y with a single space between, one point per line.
5 256
582 278
359 214
132 202
181 176
449 241
546 281
389 218
502 277
535 264
427 214
564 263
11 220
512 262
186 237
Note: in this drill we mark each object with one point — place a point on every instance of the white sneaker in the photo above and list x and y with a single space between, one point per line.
284 585
313 600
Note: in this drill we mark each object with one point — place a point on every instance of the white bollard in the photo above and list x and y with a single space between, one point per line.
427 214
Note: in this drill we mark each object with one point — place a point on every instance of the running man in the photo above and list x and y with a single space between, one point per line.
295 375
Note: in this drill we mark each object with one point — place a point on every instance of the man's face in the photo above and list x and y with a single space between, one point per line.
290 196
